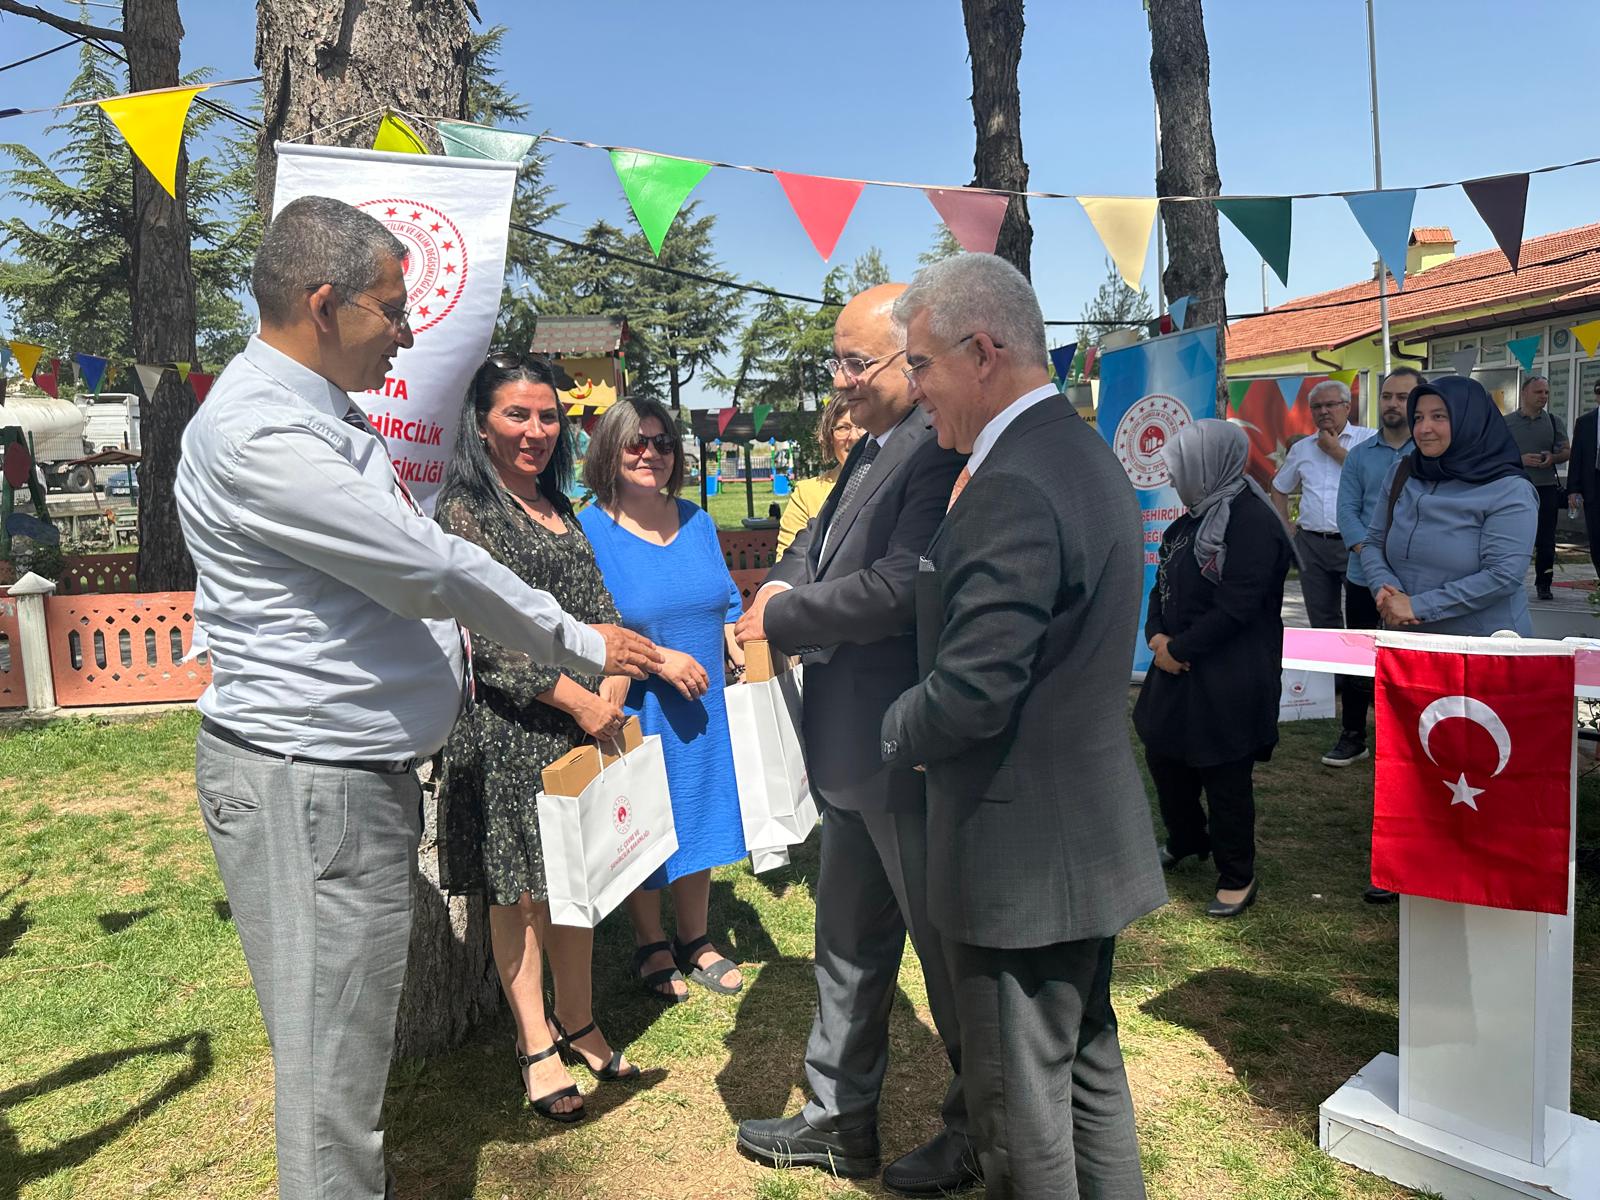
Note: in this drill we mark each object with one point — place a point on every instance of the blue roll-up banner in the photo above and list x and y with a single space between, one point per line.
1148 392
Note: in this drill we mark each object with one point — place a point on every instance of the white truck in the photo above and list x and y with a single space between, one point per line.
63 431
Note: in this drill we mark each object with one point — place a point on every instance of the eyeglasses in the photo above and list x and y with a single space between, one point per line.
911 369
663 443
854 367
1330 405
399 318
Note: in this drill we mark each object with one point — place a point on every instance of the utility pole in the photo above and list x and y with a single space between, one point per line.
1377 177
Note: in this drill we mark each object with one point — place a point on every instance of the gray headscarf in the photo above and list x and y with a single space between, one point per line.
1207 461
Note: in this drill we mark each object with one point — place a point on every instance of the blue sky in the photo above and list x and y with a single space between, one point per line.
880 89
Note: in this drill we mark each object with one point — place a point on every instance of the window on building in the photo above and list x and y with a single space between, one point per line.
1588 376
1493 351
1559 372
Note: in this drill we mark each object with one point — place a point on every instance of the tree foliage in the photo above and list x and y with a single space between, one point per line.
69 261
944 246
1115 306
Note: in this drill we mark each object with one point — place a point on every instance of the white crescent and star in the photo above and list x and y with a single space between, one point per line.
1468 708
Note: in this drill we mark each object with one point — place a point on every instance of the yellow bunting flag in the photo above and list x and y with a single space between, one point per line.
27 357
1346 377
183 371
152 123
1124 224
397 137
1588 335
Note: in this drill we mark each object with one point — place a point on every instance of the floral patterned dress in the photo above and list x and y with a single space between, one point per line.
488 812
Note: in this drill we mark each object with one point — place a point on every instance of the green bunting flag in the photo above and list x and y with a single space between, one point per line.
1236 390
656 187
1265 223
759 416
464 140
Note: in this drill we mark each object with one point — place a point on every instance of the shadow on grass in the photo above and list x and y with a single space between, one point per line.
13 925
116 922
1290 1045
23 1167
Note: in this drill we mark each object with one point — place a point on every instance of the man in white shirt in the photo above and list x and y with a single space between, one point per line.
1313 467
329 605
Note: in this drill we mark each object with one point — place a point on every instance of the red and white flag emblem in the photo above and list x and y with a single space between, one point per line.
1473 777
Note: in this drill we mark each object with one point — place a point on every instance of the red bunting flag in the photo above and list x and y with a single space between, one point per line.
201 383
47 380
724 415
822 204
1473 779
973 218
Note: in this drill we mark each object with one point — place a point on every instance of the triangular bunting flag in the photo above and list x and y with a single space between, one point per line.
183 370
1090 357
1346 377
201 383
395 136
1061 360
1525 348
1588 335
93 369
1463 360
462 140
1265 222
27 356
1385 217
822 204
149 378
5 356
1502 202
1178 310
1289 387
724 415
47 380
656 187
1236 390
1124 224
972 217
152 124
759 416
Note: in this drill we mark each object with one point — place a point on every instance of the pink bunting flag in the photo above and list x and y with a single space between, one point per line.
724 415
973 217
823 206
47 379
201 383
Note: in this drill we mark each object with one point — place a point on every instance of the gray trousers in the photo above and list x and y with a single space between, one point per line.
872 889
1323 561
317 863
1052 1115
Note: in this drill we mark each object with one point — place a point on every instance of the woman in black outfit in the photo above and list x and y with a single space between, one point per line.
1208 710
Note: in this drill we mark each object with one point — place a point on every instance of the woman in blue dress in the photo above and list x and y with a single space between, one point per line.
662 562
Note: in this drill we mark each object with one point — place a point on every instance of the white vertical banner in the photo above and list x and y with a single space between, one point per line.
452 215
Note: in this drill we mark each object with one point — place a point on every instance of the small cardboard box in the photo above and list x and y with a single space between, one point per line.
763 662
577 768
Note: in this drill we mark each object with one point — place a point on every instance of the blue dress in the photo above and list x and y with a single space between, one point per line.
679 596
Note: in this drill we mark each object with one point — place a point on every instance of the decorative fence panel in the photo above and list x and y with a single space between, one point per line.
86 574
13 692
749 549
124 649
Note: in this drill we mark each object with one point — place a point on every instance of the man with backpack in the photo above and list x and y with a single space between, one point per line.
1543 444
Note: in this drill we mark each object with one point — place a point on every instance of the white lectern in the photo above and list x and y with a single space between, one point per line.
1476 1106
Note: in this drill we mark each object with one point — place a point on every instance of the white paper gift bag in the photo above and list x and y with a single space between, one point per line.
1306 695
769 766
605 824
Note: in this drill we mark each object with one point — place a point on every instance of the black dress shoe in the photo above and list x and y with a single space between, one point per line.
1218 908
794 1142
947 1164
1169 860
1378 895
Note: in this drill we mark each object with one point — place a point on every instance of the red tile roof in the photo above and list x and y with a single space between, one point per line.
1429 234
1558 266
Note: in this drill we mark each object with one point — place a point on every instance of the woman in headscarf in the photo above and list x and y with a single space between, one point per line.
1208 710
1447 550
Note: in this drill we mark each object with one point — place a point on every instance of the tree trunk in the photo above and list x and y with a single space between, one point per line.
163 307
323 63
994 44
326 61
1180 70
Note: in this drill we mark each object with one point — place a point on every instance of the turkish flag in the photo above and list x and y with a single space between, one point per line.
1473 782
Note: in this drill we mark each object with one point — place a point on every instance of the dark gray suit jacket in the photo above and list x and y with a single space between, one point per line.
1038 826
849 615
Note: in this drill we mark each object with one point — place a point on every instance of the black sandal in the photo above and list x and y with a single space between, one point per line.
545 1105
571 1054
653 981
710 977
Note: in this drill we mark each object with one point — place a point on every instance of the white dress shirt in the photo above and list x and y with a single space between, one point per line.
327 603
1001 421
1308 467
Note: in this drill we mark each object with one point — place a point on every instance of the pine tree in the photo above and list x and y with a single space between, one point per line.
944 246
1115 306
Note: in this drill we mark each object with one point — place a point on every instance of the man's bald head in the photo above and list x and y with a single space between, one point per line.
865 331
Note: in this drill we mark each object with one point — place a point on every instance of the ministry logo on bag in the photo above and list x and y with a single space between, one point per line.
621 815
436 256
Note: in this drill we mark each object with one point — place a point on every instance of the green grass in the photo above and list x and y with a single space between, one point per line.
133 1061
727 507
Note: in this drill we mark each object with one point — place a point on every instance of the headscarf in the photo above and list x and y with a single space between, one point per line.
1207 463
1481 447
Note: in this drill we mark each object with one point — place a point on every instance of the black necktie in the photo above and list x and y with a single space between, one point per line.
853 484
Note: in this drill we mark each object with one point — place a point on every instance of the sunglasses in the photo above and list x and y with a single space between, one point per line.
662 442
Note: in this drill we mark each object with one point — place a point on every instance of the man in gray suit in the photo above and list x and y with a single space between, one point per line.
1040 843
842 599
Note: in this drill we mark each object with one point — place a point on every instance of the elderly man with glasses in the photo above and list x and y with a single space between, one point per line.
1313 467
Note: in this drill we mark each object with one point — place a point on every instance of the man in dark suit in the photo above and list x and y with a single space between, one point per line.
1040 845
842 598
1583 477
